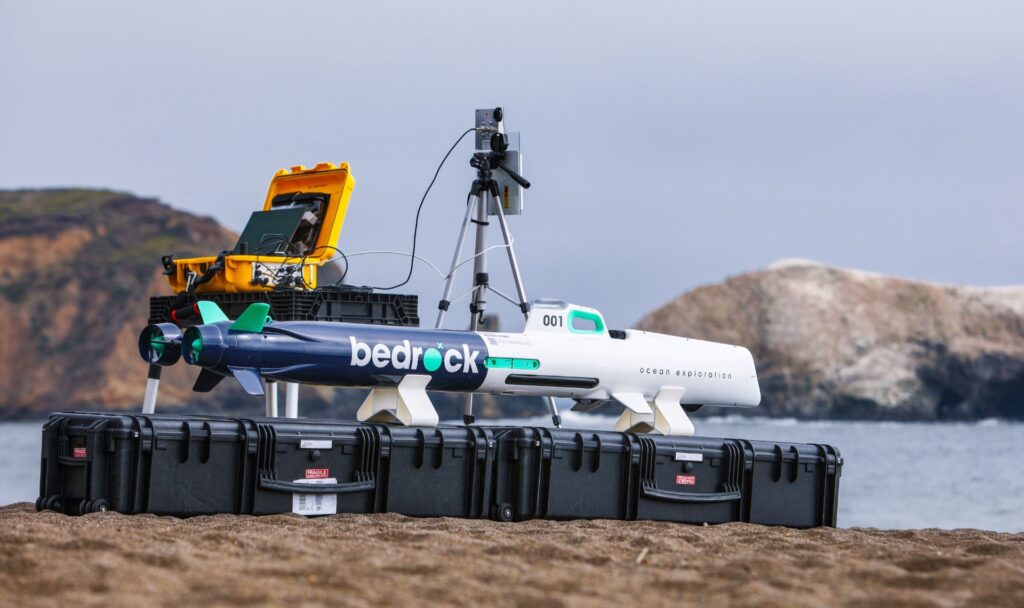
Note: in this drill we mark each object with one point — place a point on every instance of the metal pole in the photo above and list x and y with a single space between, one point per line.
152 388
442 306
270 388
555 418
291 400
480 281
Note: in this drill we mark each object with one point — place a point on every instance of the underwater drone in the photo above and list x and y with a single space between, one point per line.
565 351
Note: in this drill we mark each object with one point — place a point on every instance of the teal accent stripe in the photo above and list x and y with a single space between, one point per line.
588 316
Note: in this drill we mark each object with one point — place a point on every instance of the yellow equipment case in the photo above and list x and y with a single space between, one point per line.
285 243
276 259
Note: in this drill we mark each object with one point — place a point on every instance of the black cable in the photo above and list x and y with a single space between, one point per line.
416 224
302 263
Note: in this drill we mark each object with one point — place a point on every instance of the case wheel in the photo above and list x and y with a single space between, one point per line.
505 512
83 507
54 503
39 504
99 505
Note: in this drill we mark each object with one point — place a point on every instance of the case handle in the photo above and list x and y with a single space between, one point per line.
277 485
658 494
72 462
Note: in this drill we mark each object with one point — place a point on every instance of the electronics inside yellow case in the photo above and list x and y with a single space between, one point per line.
284 243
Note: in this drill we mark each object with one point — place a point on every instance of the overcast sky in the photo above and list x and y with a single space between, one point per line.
669 145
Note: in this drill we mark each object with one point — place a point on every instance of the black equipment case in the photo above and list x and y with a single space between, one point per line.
348 305
195 465
563 474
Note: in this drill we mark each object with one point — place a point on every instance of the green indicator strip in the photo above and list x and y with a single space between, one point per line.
509 363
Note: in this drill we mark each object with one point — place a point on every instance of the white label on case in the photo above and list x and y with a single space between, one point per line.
316 444
315 504
689 457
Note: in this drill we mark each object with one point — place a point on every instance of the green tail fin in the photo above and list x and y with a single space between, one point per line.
253 319
211 313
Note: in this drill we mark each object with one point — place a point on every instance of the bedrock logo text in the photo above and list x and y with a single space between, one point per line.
407 357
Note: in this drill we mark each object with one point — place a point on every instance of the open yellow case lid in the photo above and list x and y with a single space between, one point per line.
336 181
323 190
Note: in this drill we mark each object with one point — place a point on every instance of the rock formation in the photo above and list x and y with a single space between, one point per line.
836 343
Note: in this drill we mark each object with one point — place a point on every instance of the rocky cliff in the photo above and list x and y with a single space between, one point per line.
76 270
836 343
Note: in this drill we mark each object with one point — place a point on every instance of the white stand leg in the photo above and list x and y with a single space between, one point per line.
270 389
407 404
152 388
149 402
291 400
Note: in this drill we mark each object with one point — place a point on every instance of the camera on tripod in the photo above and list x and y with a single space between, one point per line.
497 191
499 159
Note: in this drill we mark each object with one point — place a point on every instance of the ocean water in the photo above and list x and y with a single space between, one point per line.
896 475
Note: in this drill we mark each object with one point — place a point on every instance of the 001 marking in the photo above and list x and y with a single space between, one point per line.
553 321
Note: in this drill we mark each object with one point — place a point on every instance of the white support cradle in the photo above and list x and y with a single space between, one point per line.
406 404
291 400
664 416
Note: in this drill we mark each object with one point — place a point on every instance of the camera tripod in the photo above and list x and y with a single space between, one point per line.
485 187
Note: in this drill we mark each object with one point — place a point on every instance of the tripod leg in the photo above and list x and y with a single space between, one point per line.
442 306
516 276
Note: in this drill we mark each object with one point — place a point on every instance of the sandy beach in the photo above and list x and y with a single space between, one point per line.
360 560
